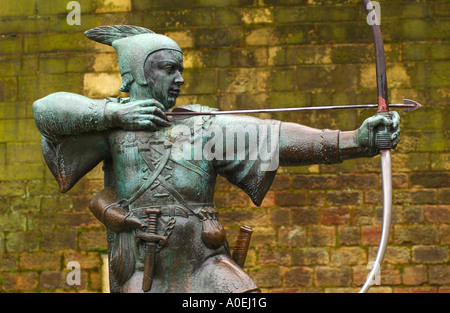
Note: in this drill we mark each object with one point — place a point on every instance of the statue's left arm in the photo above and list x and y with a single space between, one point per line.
302 145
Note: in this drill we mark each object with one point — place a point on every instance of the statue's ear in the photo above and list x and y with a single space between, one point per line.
108 34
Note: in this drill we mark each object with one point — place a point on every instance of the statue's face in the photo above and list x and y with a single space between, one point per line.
163 71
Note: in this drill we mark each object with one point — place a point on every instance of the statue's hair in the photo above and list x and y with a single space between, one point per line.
108 34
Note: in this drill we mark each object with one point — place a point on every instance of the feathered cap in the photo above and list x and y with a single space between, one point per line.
133 45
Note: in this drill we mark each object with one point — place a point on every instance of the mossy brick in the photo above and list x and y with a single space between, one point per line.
44 7
439 274
206 58
344 32
63 42
440 162
111 6
34 87
52 64
39 187
8 89
185 38
327 77
416 51
55 204
41 222
300 276
440 50
437 214
433 74
333 276
76 220
353 53
408 162
17 8
56 240
305 14
40 261
23 153
12 188
8 262
24 204
309 54
286 34
13 222
252 57
348 256
430 254
266 276
218 37
415 234
396 11
19 281
22 241
27 25
13 110
17 172
430 180
142 5
2 153
281 2
93 240
19 130
176 19
201 81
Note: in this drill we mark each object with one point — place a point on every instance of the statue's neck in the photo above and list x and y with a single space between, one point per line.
138 92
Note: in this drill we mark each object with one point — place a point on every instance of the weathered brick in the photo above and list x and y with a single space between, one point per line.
344 198
273 257
333 276
430 254
267 276
20 281
93 240
305 216
310 256
415 234
59 240
321 236
39 261
347 256
12 222
437 214
349 235
20 241
414 275
439 274
315 182
292 236
299 276
286 199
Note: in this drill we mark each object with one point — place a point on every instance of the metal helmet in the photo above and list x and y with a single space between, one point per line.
133 45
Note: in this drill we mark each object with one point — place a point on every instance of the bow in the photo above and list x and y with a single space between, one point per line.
384 145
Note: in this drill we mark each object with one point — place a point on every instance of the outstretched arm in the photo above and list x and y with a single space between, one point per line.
301 145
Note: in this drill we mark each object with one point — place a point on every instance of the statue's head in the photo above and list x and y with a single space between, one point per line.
150 64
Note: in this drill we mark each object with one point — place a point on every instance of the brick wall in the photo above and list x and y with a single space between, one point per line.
319 225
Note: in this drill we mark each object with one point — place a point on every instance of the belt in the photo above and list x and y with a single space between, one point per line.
171 210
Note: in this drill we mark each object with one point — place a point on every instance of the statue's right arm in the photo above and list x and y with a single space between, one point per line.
73 137
63 114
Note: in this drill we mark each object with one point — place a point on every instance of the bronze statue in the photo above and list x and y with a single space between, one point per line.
160 171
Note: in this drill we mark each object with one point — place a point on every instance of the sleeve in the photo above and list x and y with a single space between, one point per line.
73 157
250 156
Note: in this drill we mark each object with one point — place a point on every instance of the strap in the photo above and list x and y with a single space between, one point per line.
147 183
175 193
